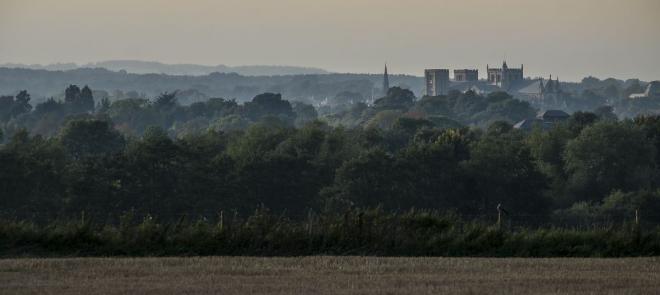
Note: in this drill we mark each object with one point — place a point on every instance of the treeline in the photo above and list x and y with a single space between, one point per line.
355 232
593 93
161 158
132 116
586 166
306 88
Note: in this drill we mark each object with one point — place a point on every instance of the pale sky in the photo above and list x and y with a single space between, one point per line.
568 38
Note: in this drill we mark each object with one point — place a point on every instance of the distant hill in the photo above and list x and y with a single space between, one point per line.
151 67
309 87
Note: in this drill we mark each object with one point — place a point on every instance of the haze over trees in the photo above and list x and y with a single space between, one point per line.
328 93
308 88
158 157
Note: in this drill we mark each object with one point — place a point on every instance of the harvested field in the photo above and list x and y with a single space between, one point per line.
329 275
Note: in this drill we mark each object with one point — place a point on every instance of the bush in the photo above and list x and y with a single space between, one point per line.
356 232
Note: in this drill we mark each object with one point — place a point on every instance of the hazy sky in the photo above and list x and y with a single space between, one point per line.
569 38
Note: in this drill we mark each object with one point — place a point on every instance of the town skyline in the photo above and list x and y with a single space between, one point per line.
573 40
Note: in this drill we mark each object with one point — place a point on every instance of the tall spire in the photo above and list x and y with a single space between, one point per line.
386 81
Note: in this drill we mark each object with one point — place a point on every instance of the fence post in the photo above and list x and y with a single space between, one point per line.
637 217
310 223
222 220
499 216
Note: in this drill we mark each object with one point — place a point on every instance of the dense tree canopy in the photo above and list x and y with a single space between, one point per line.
609 156
458 152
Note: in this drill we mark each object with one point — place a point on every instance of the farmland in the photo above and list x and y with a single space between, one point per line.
329 275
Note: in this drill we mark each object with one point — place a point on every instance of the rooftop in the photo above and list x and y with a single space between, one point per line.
555 114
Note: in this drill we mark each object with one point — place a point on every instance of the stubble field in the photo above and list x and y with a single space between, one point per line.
329 275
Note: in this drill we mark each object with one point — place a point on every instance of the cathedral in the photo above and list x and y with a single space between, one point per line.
538 92
437 81
504 77
544 94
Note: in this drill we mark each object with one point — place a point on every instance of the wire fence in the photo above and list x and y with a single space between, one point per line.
505 221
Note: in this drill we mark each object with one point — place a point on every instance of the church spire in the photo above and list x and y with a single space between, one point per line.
550 85
386 81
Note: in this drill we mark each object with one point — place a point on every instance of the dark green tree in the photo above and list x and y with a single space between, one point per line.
579 121
166 101
86 99
608 156
396 98
269 104
104 105
78 101
72 94
305 113
85 138
21 104
369 180
503 172
605 113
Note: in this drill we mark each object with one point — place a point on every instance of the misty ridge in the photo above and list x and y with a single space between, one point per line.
152 67
125 78
44 84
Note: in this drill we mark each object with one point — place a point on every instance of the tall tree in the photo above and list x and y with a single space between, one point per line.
166 100
608 156
84 138
71 94
86 99
79 101
21 104
503 171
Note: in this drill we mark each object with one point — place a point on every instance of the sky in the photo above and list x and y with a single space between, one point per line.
566 38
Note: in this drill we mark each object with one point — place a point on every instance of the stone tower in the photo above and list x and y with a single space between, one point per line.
504 77
437 81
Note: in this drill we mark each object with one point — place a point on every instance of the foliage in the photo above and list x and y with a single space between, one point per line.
162 158
396 98
84 138
470 108
355 232
608 156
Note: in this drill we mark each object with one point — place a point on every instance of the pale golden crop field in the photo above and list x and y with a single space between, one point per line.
330 275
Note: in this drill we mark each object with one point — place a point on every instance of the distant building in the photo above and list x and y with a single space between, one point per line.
504 77
539 93
466 75
529 124
553 116
480 87
386 82
542 93
544 120
652 91
437 81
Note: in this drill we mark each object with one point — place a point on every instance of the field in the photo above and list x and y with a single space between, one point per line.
329 275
